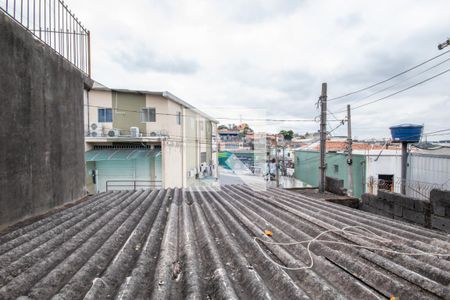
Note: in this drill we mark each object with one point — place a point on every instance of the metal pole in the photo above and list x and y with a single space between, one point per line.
323 136
404 165
350 150
277 178
89 54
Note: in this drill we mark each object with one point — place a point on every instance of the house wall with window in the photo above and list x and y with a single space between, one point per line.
307 169
98 100
126 108
183 133
165 118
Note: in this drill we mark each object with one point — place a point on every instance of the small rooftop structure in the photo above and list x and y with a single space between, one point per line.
215 244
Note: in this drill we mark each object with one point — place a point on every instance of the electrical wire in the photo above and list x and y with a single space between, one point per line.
368 234
398 92
219 118
402 81
390 78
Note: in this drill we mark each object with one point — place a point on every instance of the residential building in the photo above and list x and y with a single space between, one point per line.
371 163
377 166
145 138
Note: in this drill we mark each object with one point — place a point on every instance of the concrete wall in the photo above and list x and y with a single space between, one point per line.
41 126
433 213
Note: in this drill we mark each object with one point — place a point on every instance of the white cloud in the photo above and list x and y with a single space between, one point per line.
273 55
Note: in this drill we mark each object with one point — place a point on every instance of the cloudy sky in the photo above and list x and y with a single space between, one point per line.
267 59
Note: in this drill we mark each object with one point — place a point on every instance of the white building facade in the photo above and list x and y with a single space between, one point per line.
143 139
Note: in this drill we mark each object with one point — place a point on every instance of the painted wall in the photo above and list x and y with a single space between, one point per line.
172 164
41 126
387 164
191 153
307 169
97 99
125 113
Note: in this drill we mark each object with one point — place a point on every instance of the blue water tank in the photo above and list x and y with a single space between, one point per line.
409 133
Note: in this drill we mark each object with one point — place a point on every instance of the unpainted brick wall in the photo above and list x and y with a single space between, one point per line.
433 213
335 185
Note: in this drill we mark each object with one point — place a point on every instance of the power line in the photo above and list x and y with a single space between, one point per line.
390 78
405 80
191 116
398 92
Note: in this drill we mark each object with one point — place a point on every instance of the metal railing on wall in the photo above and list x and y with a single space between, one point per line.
415 189
52 22
116 185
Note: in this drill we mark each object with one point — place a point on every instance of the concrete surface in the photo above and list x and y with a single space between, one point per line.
41 126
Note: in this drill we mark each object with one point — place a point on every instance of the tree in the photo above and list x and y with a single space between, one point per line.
287 134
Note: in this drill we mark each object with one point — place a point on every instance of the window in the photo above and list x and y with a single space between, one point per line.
179 118
148 114
336 168
104 115
385 182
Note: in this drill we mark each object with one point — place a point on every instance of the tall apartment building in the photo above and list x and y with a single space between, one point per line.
145 138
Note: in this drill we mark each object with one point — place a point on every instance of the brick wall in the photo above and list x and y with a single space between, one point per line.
335 185
433 213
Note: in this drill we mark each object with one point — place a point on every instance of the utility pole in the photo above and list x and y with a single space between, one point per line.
349 153
404 167
277 177
323 136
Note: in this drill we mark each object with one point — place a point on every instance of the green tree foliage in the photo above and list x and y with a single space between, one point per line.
288 134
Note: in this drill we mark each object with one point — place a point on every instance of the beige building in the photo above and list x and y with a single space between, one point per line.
146 139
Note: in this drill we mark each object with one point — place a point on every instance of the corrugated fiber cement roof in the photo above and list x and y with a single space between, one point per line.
176 244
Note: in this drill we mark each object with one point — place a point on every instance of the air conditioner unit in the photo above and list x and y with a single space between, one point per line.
134 132
113 133
94 134
94 126
96 130
154 133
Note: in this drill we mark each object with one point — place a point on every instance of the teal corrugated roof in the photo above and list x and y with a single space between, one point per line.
119 154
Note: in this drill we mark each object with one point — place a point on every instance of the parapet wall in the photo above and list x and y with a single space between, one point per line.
433 213
335 185
41 126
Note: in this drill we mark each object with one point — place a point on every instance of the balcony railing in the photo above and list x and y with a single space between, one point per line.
52 22
134 185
